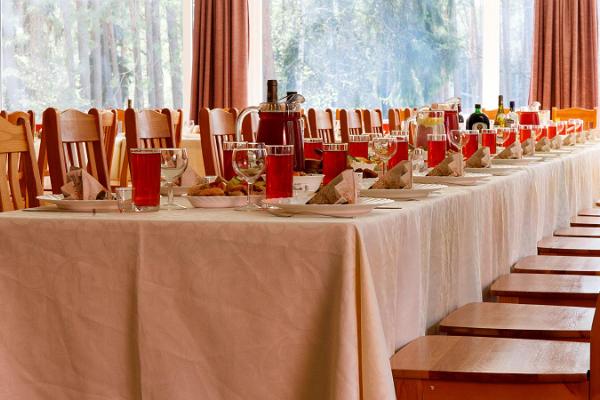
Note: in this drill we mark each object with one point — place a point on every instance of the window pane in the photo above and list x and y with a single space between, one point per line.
91 53
364 53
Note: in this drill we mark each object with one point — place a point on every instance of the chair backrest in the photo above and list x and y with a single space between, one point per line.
19 176
396 116
177 121
307 131
373 121
321 124
110 124
589 116
216 127
75 139
350 124
42 159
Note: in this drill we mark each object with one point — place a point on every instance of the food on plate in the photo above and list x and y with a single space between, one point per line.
222 187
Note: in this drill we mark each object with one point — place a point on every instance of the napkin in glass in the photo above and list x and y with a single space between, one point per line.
480 159
343 189
399 177
543 145
514 151
528 147
569 140
452 165
83 186
556 142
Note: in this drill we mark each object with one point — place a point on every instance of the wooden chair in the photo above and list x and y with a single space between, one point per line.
589 117
75 139
177 121
321 124
585 222
216 127
373 121
307 131
569 246
396 116
558 265
491 114
547 289
350 124
29 116
110 126
525 321
19 176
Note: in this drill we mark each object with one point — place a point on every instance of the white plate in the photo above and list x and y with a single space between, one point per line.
221 201
80 205
520 161
498 170
418 191
177 190
469 179
312 182
293 206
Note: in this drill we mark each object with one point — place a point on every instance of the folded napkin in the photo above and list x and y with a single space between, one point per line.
569 140
343 189
452 165
189 177
480 159
83 186
544 145
556 142
581 137
399 177
514 151
528 147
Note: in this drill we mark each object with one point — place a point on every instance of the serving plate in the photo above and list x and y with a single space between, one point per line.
80 205
296 206
498 170
516 161
418 191
221 201
468 179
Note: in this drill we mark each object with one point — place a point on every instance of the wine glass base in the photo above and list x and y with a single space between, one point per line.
172 207
249 207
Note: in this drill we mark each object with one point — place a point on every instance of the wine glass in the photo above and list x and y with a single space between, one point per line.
249 163
385 147
188 127
173 163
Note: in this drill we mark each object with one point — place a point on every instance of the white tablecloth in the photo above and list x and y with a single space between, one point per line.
217 304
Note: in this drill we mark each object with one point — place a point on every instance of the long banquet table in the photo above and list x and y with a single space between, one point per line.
218 304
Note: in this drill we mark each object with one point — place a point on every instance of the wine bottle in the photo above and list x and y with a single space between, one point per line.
499 121
272 95
478 120
511 119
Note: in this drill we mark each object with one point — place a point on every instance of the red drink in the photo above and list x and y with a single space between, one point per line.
228 147
451 124
282 128
540 132
551 131
358 146
401 152
280 175
145 178
524 133
488 139
436 150
313 148
529 118
334 160
471 145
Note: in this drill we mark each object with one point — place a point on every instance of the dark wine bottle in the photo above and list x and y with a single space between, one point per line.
272 94
478 120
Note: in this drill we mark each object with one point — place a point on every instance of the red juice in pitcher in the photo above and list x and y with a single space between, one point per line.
145 178
282 128
280 172
334 160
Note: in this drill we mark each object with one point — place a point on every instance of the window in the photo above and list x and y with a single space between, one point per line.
364 53
91 53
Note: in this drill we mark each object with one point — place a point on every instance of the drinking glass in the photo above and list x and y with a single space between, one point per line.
228 147
538 132
188 127
488 139
525 132
551 130
124 201
280 171
428 123
145 178
358 145
507 136
249 164
385 148
436 149
313 148
470 143
402 151
334 160
561 128
173 163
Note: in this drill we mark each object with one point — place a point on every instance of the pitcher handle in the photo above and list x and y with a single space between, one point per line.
240 121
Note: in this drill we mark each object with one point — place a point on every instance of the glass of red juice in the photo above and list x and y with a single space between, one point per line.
525 132
228 147
402 148
145 178
539 132
470 143
280 171
561 128
488 139
334 160
436 149
358 145
313 148
551 131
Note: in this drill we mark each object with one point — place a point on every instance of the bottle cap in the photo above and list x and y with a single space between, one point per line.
477 105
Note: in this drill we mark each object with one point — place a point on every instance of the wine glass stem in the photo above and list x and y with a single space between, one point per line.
170 192
249 191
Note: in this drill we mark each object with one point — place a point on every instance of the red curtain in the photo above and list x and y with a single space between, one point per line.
220 63
565 54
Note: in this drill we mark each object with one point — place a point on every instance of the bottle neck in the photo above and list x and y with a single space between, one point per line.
477 110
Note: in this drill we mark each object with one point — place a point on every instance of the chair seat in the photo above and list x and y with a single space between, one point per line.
520 321
558 265
590 212
578 232
549 289
591 222
492 360
569 246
